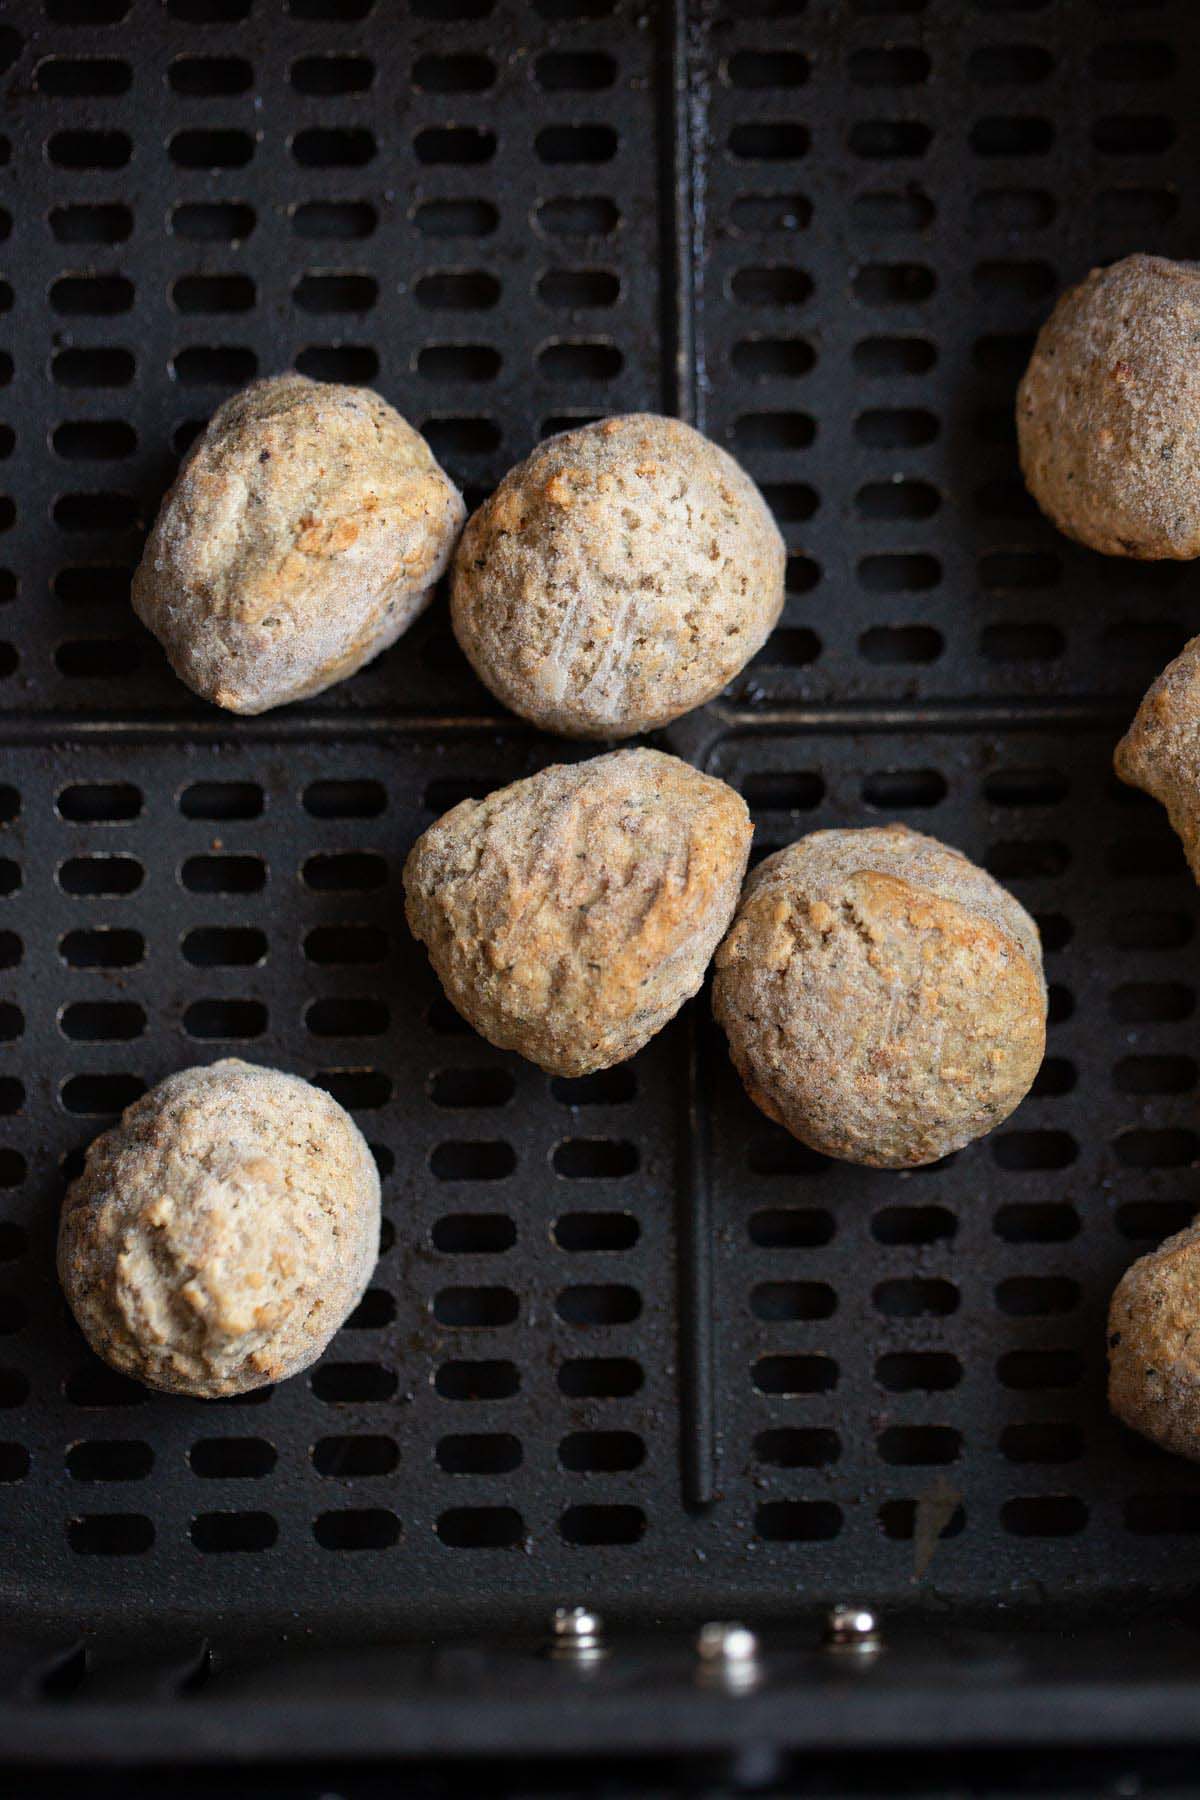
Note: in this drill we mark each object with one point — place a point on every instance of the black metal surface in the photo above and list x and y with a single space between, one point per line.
625 1341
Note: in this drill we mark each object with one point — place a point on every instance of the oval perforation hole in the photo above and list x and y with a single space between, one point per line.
99 1094
479 1453
1044 1515
232 1458
798 1447
481 1527
584 1232
475 1308
600 1377
919 1446
110 1534
350 1383
918 1371
226 1533
898 1519
1035 1369
782 1301
595 1159
97 803
111 1459
1042 1441
103 1021
791 1228
224 800
592 1524
797 1521
601 1303
916 1298
224 946
601 1452
802 1374
607 1087
354 1458
357 1528
478 1381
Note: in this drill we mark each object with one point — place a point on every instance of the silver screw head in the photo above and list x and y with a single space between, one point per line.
578 1635
728 1654
852 1628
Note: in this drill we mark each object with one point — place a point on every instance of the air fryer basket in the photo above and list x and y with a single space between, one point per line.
627 1342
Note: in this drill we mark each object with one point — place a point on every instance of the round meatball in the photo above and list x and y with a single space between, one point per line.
304 533
618 577
883 997
1108 411
1154 1345
1161 750
570 916
222 1232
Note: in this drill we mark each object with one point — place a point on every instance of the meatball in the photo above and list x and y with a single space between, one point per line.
1161 750
1108 411
303 535
883 997
570 916
222 1232
618 577
1154 1345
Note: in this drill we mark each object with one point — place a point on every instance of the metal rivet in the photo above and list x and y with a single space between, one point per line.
854 1629
578 1635
728 1654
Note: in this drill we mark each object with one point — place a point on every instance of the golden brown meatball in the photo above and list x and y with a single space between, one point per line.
618 577
222 1232
303 535
1154 1345
1108 411
882 996
570 916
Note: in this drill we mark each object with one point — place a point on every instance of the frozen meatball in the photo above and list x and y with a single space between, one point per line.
222 1232
618 577
1108 411
303 534
883 997
570 916
1154 1345
1161 750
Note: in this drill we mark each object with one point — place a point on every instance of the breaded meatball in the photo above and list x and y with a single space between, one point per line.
222 1232
303 535
570 916
1161 750
618 577
883 997
1154 1345
1108 411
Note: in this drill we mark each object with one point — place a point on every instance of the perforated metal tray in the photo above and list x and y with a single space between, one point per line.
626 1341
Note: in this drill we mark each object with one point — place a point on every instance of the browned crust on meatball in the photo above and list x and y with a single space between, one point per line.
570 915
882 996
1154 1345
221 1232
303 535
1108 411
1161 750
618 577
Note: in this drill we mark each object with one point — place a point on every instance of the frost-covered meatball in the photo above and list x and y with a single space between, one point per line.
222 1232
570 916
1154 1345
303 535
883 996
618 577
1108 411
